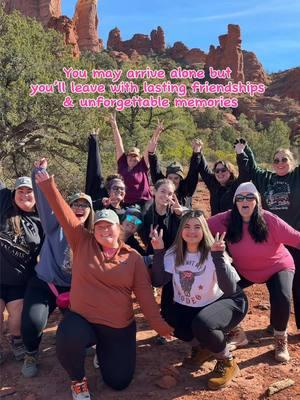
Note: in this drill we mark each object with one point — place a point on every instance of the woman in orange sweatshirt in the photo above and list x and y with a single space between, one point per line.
105 272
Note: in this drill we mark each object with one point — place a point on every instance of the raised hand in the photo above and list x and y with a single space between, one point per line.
157 238
41 176
176 207
42 163
95 132
239 145
113 119
197 145
219 243
156 134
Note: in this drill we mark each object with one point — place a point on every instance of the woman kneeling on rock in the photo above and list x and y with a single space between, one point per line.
208 303
105 272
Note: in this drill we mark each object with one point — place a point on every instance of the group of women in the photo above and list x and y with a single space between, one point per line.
83 256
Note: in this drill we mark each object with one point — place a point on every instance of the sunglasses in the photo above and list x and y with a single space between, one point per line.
278 160
80 205
218 170
133 219
118 189
248 197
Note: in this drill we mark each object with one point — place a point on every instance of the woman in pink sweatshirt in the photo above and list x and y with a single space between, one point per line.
256 240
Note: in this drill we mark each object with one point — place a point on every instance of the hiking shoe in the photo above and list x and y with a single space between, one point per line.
281 348
224 372
18 348
236 338
29 368
80 390
198 357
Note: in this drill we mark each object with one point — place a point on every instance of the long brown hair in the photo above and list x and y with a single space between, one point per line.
179 247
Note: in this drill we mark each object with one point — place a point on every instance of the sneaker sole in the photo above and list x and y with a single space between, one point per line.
234 346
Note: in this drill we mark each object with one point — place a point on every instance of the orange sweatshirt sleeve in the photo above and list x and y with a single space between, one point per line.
63 212
143 291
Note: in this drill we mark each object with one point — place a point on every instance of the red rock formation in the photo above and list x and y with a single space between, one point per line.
114 41
42 10
195 56
253 69
178 51
86 23
158 43
286 84
228 54
66 26
139 42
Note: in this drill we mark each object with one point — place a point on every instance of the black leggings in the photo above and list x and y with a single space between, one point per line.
210 323
280 290
116 349
39 303
296 283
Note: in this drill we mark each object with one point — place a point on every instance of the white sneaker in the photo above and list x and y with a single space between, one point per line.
281 348
80 390
236 338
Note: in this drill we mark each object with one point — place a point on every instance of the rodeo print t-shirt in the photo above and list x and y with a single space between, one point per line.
195 284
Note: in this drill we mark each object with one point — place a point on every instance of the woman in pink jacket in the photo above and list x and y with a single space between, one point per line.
256 240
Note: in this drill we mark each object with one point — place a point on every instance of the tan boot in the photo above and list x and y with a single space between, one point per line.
224 372
198 357
281 348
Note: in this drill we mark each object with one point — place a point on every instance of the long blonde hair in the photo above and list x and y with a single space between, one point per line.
179 247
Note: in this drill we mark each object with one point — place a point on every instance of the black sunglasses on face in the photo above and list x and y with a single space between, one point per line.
278 160
218 170
247 197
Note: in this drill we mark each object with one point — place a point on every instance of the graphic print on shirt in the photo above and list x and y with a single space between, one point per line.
187 279
16 245
277 196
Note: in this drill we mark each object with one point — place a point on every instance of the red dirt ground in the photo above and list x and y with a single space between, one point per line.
256 361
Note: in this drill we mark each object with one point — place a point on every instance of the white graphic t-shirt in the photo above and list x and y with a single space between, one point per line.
195 284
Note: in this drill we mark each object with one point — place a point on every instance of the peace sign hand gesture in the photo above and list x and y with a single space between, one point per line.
157 239
175 205
219 243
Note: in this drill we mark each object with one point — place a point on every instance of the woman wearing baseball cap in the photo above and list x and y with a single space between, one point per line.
21 235
256 239
105 273
53 270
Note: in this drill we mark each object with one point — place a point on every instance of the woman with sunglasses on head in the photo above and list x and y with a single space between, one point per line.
222 180
21 236
256 239
53 270
280 194
207 303
105 273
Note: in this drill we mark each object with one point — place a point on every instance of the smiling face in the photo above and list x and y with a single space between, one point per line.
81 209
222 174
192 233
246 203
132 160
117 191
164 194
24 198
282 164
107 234
175 179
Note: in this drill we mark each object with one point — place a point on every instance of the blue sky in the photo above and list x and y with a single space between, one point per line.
270 28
